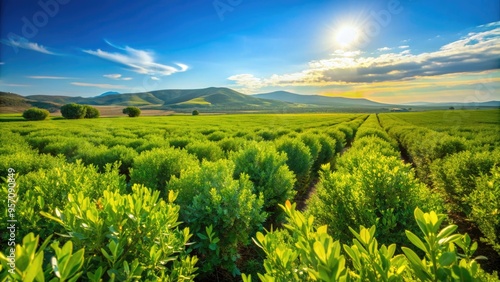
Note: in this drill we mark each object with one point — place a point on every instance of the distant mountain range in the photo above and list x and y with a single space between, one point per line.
218 99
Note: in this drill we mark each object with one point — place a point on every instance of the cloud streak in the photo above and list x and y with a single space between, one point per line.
116 76
24 43
99 85
48 77
477 51
139 61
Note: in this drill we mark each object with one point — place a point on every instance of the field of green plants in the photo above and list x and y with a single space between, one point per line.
255 197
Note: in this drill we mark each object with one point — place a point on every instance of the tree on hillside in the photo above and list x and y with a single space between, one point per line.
195 113
132 111
73 111
92 112
35 114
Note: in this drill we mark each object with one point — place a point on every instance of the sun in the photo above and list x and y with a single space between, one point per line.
347 35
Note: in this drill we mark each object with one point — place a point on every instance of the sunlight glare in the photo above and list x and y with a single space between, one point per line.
347 35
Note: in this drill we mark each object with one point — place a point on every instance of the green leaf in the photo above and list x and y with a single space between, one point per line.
415 240
446 259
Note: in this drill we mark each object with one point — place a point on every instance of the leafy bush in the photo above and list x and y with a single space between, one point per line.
46 189
155 167
339 137
210 198
195 113
73 111
205 150
128 236
216 136
269 173
303 252
231 144
299 160
312 142
92 112
457 174
36 114
485 206
383 186
132 111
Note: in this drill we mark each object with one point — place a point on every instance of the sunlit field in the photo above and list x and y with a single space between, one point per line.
226 197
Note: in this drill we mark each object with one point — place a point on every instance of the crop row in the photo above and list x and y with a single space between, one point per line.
468 175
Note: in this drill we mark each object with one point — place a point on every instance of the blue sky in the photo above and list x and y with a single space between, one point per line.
383 50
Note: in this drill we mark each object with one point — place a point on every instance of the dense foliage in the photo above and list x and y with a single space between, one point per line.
170 199
132 111
73 111
91 112
36 114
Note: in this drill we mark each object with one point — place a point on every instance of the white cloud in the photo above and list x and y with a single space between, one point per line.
139 61
384 49
478 51
48 77
116 76
99 85
113 76
24 43
155 78
404 47
2 63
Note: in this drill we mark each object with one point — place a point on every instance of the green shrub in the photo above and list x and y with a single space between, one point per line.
231 144
457 174
385 188
36 114
210 198
269 173
128 236
304 252
132 111
340 139
216 136
46 189
327 153
92 112
179 142
73 111
205 150
348 132
195 113
312 142
155 167
299 160
485 206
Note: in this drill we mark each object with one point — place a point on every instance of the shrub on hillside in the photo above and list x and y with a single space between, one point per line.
73 111
92 112
222 211
132 111
35 114
195 113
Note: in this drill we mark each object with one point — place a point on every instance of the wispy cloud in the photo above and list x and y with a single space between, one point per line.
24 43
99 85
384 49
48 77
404 46
2 63
155 78
477 51
117 76
139 61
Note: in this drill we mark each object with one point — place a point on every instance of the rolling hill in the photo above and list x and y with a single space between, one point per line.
216 99
318 100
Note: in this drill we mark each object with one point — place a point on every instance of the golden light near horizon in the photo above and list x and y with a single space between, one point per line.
347 35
